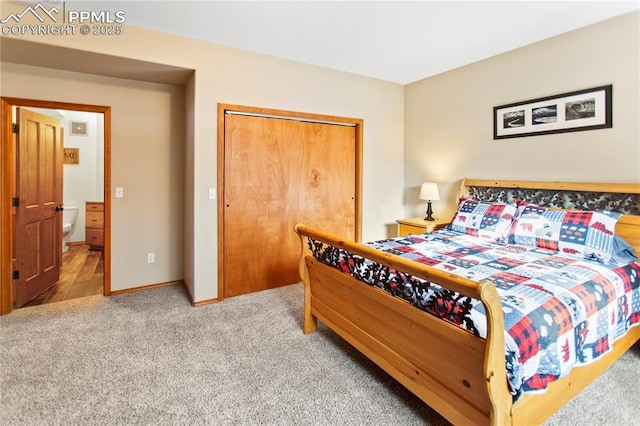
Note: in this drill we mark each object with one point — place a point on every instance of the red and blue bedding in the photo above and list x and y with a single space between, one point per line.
559 310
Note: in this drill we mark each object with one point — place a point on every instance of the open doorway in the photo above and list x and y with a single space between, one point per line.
82 264
82 259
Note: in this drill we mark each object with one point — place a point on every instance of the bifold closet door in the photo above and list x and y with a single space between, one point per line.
279 172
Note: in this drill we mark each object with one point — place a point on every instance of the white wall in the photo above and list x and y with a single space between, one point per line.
83 182
449 117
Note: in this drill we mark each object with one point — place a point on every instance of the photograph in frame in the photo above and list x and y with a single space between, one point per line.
587 109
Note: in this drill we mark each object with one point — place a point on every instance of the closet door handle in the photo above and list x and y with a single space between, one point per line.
59 208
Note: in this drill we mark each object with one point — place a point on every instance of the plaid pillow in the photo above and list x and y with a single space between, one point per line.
536 226
590 234
484 220
584 234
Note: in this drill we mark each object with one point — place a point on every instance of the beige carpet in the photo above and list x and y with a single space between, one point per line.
150 358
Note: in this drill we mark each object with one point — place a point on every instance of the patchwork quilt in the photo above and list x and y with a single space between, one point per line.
559 310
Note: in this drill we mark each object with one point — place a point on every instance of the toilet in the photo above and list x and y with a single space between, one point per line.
69 215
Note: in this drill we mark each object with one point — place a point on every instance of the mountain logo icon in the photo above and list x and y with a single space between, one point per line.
38 11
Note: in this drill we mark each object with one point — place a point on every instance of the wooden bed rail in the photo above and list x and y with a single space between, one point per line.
493 353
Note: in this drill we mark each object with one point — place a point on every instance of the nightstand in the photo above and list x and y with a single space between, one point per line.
417 225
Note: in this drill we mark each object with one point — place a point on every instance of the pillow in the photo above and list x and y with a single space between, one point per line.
484 220
535 226
622 251
584 234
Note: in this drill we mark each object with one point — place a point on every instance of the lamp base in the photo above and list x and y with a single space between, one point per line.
429 213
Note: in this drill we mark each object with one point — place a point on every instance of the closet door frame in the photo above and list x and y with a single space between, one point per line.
223 109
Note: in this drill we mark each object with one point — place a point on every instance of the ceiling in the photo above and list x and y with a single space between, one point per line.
396 41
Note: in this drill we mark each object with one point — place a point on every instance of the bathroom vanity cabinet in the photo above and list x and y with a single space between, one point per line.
94 225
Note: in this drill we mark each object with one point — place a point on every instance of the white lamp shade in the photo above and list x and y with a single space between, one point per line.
429 191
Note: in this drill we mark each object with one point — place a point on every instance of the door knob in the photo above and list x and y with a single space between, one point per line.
59 208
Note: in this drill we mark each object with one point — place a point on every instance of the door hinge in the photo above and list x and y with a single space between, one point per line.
15 202
15 128
16 275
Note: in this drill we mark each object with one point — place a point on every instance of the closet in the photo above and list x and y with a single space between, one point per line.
279 169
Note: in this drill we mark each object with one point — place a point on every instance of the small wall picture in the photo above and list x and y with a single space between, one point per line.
587 109
583 108
544 115
71 156
78 128
513 119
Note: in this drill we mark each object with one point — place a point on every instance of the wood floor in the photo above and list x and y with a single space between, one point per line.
81 275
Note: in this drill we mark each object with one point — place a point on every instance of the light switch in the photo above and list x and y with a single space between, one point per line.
212 193
119 192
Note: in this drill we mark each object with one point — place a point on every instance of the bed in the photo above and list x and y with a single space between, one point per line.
459 362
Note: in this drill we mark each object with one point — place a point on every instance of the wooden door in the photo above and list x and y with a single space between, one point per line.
279 172
38 218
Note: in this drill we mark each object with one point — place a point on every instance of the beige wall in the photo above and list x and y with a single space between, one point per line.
449 123
447 120
147 154
225 75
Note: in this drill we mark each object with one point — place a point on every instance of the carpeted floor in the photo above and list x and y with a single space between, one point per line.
151 358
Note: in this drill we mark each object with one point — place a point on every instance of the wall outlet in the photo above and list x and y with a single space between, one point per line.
151 257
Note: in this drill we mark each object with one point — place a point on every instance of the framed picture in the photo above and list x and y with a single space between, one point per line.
78 128
587 109
71 156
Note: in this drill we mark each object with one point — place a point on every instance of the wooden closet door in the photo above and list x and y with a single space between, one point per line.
277 173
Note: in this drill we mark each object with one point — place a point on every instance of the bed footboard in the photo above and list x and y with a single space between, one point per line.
461 376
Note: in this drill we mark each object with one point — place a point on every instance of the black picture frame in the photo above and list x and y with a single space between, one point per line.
587 109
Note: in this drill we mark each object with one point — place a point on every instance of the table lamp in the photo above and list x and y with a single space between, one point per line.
429 192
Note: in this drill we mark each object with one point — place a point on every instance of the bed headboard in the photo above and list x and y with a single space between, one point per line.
619 197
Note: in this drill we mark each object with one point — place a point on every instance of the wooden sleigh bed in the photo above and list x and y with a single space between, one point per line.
460 375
